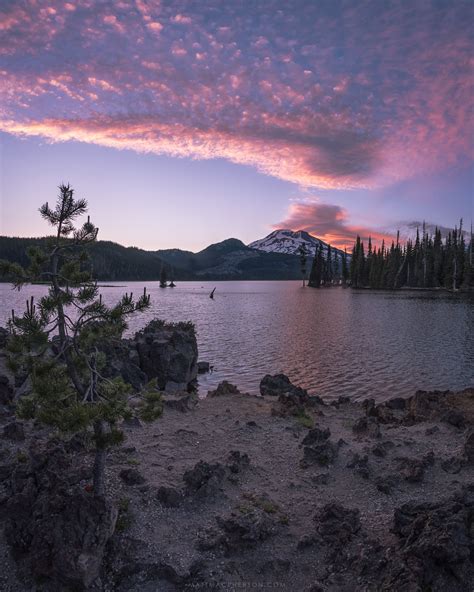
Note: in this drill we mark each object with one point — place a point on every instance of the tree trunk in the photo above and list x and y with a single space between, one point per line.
99 460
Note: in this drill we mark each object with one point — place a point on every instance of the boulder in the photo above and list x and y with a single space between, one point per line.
386 483
168 352
411 469
437 540
203 367
170 497
236 461
204 479
132 477
53 526
224 388
240 530
360 464
273 386
367 426
318 449
336 524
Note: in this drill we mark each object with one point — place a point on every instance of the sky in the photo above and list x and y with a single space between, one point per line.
185 122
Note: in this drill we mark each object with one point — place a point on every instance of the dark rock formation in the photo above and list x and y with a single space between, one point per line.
168 352
237 461
170 497
274 386
367 426
204 480
224 388
360 464
336 525
411 469
132 477
122 360
203 367
318 449
437 540
386 483
240 529
53 526
292 400
14 431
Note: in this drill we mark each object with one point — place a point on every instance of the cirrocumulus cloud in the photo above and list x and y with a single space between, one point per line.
323 94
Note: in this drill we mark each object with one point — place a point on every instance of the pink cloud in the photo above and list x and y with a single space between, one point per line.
356 96
329 223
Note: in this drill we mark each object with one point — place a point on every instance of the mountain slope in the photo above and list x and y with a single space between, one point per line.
289 242
227 260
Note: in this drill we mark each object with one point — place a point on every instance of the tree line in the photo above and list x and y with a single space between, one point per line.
427 262
328 268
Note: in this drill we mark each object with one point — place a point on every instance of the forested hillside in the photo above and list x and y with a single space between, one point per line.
227 260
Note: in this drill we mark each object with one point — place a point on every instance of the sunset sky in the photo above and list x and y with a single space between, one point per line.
187 122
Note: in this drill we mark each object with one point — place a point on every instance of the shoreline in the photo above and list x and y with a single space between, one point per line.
283 490
123 283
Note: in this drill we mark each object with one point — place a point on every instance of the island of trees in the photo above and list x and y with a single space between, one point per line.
427 262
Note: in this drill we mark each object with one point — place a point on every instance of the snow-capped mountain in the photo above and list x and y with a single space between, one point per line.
289 242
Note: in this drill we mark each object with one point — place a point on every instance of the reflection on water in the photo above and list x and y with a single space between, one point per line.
332 342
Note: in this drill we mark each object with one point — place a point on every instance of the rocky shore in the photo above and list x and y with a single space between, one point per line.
282 491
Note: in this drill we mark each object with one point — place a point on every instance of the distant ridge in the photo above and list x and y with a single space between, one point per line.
230 259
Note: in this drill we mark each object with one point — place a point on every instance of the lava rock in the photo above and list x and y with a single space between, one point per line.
274 386
57 531
386 483
360 464
203 367
318 449
411 469
169 497
224 388
132 477
14 431
168 352
367 426
204 479
237 461
336 525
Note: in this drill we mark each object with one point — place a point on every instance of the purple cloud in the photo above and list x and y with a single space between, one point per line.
331 95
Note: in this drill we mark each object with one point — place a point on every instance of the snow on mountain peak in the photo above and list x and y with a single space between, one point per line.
288 242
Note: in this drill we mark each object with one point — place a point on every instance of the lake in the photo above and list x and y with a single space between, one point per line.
331 341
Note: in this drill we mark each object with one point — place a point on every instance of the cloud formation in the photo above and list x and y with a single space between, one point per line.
330 223
323 94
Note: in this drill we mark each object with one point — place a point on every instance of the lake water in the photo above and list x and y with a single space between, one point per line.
331 341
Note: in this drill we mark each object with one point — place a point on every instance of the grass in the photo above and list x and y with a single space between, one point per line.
132 461
305 420
21 457
124 519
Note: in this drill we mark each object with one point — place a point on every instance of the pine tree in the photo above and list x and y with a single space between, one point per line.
317 268
344 269
68 389
303 253
163 277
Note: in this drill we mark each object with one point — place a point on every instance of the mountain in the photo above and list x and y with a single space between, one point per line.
227 260
232 260
289 242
